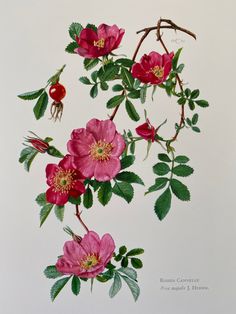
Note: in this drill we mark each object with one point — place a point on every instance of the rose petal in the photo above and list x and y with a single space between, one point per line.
101 129
107 248
85 165
106 170
80 143
91 243
56 198
118 145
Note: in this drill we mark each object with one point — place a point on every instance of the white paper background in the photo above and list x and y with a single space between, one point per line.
197 239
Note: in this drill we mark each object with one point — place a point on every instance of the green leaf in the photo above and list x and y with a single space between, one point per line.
59 212
180 190
159 184
117 88
195 93
115 101
130 272
181 159
176 58
105 193
136 83
75 29
94 76
51 272
196 129
75 201
75 285
181 101
163 203
53 151
70 48
187 92
90 63
161 168
191 104
25 152
164 157
108 72
96 184
189 122
195 119
180 68
58 286
116 285
136 263
94 91
127 78
135 252
131 111
91 26
44 212
124 262
202 103
143 93
41 199
104 86
41 106
122 250
134 288
124 190
31 95
132 148
88 198
125 62
85 80
29 159
182 170
134 94
129 177
118 258
127 161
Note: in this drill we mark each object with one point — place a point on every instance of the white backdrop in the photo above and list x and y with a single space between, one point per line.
197 239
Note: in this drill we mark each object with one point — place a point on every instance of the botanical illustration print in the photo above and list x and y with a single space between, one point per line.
98 152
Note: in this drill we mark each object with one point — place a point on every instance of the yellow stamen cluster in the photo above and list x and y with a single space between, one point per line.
158 71
63 180
89 261
101 150
99 43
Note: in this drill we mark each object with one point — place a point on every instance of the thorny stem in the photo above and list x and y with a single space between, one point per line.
78 215
175 27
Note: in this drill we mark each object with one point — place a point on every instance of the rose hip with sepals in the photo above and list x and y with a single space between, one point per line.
57 92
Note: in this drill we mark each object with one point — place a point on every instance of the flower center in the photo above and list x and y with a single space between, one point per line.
100 150
99 43
158 71
89 261
63 181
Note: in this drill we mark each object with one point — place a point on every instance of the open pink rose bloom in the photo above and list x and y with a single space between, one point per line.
96 149
93 44
64 181
88 258
153 68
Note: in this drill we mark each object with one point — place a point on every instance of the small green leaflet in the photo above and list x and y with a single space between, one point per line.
45 211
27 156
182 170
131 111
124 190
70 48
51 272
105 193
116 285
94 91
90 63
129 177
127 78
181 159
41 199
159 184
115 101
135 252
163 203
75 29
88 198
59 212
129 272
75 285
136 263
58 286
176 58
31 95
180 190
161 168
134 288
41 105
127 161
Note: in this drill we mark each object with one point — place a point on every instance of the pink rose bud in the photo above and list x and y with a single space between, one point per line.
146 131
87 258
93 44
153 68
39 144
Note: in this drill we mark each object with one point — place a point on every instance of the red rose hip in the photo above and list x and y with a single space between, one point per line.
57 92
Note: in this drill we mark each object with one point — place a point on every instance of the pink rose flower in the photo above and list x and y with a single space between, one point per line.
96 149
153 68
146 131
64 181
87 258
93 44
